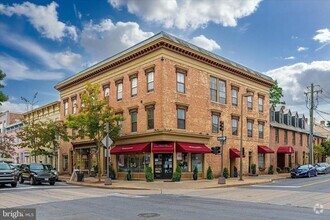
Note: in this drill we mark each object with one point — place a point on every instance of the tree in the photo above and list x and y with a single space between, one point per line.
3 97
276 93
318 151
90 121
328 123
326 146
7 146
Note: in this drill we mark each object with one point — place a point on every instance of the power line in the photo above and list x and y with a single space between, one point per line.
324 99
320 115
323 112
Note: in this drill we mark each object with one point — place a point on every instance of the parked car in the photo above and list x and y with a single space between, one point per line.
322 168
36 173
304 171
54 171
7 175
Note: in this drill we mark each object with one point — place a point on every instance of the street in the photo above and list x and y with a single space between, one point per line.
283 199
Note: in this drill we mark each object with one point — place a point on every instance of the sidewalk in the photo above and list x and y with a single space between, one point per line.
167 184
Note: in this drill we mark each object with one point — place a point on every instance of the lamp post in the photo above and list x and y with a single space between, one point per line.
241 137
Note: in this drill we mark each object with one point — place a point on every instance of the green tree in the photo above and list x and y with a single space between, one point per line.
318 151
90 121
7 146
328 123
276 93
326 147
3 97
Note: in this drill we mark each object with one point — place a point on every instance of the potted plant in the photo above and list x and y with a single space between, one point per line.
254 168
177 174
149 175
235 172
271 169
225 173
209 173
195 176
129 176
111 172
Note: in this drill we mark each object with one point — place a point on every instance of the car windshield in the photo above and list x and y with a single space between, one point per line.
49 166
38 167
4 166
322 164
303 167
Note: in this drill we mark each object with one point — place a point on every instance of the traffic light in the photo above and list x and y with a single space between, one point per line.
221 126
218 150
215 150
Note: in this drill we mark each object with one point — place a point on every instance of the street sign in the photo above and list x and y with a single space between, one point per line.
104 141
222 138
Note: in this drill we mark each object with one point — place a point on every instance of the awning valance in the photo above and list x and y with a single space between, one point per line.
285 150
163 147
234 153
131 148
264 150
192 148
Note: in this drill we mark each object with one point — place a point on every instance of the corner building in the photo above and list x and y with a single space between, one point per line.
172 95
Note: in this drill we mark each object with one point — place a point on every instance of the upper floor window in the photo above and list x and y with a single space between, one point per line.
119 91
134 121
150 81
222 91
150 117
234 94
74 105
134 87
285 137
249 102
234 124
66 107
261 103
180 82
301 139
293 138
281 118
106 92
261 130
272 115
213 89
277 135
181 118
215 123
250 128
289 119
120 123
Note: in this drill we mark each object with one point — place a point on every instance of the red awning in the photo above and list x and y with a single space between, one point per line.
192 148
285 150
234 153
163 147
264 150
131 148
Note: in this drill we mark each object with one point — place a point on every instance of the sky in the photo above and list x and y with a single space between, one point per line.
43 42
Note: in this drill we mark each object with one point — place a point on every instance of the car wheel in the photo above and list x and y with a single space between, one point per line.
21 180
32 180
52 183
308 174
315 173
14 184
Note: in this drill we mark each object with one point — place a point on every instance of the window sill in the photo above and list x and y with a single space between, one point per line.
150 92
225 105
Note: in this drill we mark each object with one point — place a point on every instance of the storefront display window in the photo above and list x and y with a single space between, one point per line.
197 160
182 161
133 162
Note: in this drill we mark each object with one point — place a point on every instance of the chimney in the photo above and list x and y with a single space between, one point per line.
322 123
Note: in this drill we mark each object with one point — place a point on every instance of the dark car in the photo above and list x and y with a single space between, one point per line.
54 171
322 168
7 175
304 171
36 173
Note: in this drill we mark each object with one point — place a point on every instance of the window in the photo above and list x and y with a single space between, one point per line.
66 107
277 135
289 119
261 104
301 139
293 138
261 161
281 118
182 161
197 161
213 89
249 100
285 137
106 91
250 128
180 84
261 130
181 118
272 116
135 162
119 91
150 117
234 124
222 92
134 121
74 106
234 93
120 123
150 79
134 87
215 123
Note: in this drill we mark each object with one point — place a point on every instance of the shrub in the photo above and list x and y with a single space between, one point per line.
254 168
288 169
271 169
111 172
129 176
235 172
176 177
209 173
149 175
278 169
225 172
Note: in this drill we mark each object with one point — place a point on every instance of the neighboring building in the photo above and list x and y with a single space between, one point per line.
44 113
325 131
173 95
290 138
8 118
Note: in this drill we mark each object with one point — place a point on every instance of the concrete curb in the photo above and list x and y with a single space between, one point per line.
238 185
106 187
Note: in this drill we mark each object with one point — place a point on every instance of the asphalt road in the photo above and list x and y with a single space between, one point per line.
254 202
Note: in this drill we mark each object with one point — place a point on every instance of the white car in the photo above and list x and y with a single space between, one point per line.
322 168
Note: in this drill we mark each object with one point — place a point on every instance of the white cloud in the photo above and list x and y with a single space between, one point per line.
43 18
290 58
17 70
295 78
302 49
13 107
189 13
205 43
322 36
107 38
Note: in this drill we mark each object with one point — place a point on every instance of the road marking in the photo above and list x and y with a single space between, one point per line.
315 183
270 186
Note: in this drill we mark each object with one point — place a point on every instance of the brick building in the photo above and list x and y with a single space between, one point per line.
290 138
173 95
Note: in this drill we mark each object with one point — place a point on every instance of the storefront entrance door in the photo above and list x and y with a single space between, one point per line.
163 166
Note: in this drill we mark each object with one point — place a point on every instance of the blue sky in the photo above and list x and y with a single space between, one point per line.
43 42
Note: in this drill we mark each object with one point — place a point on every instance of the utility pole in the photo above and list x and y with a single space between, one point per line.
313 105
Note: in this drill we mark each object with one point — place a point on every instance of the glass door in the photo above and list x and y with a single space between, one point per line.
158 163
167 166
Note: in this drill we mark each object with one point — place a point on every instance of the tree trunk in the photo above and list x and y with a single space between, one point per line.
99 161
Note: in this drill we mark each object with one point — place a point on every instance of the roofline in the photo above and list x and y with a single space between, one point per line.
41 107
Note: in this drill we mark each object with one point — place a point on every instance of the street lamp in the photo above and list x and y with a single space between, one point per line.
241 142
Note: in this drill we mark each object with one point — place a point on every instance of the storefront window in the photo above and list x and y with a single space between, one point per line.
197 160
261 161
182 161
134 162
